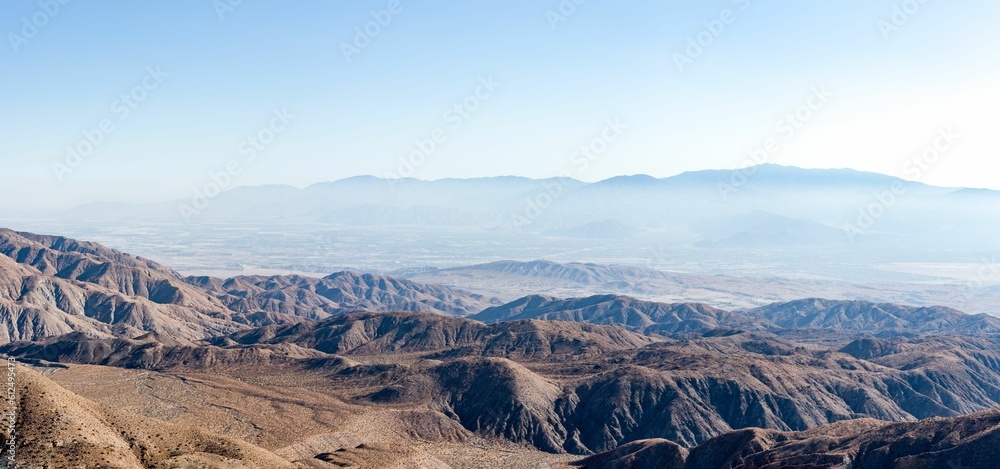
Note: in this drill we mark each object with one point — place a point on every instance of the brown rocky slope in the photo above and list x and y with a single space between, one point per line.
579 388
965 442
51 286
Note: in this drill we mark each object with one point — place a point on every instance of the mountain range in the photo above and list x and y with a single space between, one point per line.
570 388
762 206
146 367
54 286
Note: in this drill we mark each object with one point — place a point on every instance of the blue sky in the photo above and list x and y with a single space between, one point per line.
556 87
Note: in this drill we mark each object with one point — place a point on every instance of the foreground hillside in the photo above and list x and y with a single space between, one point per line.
580 388
60 428
57 428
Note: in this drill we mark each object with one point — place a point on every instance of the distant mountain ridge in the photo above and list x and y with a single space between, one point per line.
875 318
337 293
851 316
822 200
372 333
642 316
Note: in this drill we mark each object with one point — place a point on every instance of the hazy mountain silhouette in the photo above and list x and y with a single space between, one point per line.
766 205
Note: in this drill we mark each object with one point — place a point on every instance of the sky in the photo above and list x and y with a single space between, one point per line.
147 101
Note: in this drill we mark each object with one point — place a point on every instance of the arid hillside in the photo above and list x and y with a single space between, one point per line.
124 363
53 285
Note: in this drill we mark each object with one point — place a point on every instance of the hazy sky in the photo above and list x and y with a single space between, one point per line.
358 104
